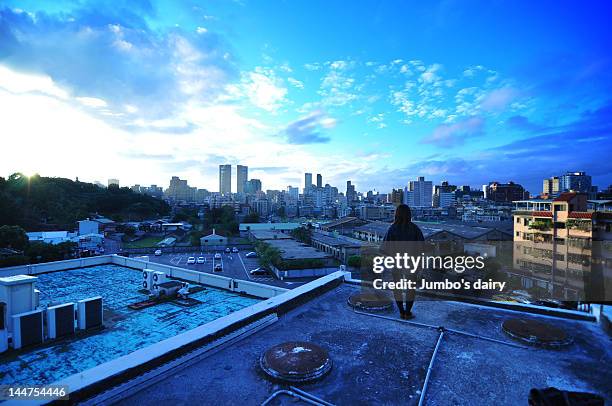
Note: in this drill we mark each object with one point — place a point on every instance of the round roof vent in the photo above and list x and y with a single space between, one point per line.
296 361
536 332
370 300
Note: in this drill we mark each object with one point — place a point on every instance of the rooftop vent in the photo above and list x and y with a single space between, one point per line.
536 333
370 300
296 361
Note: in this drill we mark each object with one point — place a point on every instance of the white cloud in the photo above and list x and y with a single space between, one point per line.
16 82
296 83
92 102
201 30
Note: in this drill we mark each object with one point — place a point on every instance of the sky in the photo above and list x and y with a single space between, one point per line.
374 92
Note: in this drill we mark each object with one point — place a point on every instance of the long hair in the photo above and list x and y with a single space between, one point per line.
403 216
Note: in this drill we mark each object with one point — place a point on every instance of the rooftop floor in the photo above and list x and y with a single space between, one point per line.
125 330
382 361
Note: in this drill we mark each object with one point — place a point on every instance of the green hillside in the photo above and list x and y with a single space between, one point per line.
42 203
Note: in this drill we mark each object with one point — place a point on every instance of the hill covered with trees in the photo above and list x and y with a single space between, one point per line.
43 203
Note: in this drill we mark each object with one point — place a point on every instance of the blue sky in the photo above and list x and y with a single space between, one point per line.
378 93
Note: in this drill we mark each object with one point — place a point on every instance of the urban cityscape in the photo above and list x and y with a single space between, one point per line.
210 202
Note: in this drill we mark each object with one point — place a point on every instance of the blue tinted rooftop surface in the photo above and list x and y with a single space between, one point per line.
125 330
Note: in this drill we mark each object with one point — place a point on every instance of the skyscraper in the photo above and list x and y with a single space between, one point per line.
350 192
307 182
225 179
576 182
419 193
319 180
242 175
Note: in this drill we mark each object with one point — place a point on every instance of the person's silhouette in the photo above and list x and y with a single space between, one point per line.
397 240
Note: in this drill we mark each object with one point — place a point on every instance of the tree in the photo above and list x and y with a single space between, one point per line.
13 237
302 234
252 217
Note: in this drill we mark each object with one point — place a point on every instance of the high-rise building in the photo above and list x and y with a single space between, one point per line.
252 186
551 186
576 182
350 192
307 182
419 193
396 197
179 190
225 179
319 180
506 192
293 193
242 175
113 182
444 195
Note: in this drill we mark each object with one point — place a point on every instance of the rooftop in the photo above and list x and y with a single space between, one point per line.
292 249
379 359
125 330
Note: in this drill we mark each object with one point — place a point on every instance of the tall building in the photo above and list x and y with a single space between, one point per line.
113 182
444 195
242 175
179 190
319 180
506 192
252 186
551 186
576 182
307 182
396 197
350 192
293 193
419 193
225 179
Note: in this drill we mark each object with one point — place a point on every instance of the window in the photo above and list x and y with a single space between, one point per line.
518 220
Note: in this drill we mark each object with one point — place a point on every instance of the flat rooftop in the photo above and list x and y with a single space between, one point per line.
125 330
382 360
292 249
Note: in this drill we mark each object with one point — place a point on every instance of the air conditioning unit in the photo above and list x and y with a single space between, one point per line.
158 278
147 279
89 313
169 288
27 329
60 320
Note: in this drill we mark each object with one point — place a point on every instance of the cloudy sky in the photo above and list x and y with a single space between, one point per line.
375 92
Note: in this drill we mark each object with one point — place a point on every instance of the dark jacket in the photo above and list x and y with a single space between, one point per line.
408 232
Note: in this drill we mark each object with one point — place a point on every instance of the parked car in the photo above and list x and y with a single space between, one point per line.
227 250
218 268
234 250
158 253
251 255
200 260
258 271
191 260
217 256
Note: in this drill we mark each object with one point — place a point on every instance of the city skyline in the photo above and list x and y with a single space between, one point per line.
175 89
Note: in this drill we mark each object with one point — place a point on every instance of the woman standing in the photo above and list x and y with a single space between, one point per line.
403 230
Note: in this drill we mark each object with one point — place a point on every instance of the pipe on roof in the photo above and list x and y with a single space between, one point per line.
430 367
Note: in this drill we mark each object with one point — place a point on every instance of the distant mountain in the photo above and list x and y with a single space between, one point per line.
41 203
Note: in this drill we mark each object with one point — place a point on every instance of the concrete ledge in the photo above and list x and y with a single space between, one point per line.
519 307
95 380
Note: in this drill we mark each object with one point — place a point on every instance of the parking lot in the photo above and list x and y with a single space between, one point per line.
234 265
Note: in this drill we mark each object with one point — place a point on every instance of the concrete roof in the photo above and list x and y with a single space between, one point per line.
268 226
339 241
429 229
269 235
292 249
384 361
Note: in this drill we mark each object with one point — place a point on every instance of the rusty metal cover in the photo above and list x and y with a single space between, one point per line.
296 361
536 332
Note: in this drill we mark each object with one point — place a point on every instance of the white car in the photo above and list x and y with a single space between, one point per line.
259 271
235 250
200 260
227 250
217 256
158 253
191 260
